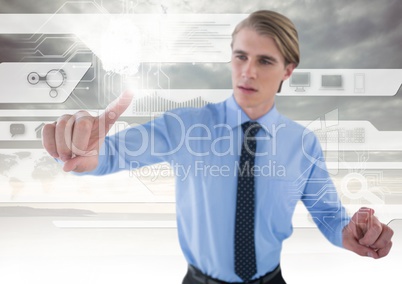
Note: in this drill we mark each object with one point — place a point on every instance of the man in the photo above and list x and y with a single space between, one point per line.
240 166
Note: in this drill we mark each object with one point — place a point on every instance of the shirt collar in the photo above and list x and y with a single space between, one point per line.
235 116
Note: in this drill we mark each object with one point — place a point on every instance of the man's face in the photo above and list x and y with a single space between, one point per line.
257 71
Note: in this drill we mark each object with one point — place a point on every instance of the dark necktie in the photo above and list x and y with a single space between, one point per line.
245 262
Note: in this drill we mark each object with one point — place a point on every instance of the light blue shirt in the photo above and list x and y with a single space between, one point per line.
203 147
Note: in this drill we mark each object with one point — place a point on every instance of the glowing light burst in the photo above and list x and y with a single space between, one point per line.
121 46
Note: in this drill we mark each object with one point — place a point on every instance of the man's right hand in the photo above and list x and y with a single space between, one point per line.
75 139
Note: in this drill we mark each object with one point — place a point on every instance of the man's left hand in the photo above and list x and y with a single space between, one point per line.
366 235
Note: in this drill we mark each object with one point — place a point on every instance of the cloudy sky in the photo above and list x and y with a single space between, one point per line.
333 34
339 34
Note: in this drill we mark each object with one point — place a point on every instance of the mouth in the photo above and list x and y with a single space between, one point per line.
247 89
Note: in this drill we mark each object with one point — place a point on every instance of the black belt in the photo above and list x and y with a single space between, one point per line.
205 279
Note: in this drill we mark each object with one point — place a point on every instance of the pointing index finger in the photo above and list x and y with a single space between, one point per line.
114 110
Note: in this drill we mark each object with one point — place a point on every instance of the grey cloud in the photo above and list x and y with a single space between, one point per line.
349 34
59 6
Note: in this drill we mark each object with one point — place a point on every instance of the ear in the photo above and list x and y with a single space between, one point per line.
288 71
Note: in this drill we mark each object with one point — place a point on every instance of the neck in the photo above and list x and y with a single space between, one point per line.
255 112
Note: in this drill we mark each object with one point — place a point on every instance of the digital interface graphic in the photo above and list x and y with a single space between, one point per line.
58 57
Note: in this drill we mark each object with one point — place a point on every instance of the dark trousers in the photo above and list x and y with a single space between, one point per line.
195 276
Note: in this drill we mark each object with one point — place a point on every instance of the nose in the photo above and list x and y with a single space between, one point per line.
249 70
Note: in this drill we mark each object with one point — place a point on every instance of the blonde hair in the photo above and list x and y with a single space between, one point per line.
278 27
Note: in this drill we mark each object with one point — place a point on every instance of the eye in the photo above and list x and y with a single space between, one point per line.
241 57
265 62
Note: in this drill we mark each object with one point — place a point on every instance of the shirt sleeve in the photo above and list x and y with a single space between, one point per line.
154 142
321 197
